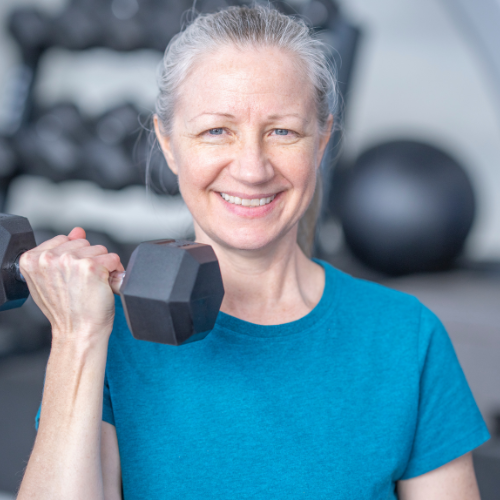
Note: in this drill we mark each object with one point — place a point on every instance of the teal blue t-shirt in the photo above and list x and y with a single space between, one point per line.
340 404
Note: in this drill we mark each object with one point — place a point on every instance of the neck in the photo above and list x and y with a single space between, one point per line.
268 286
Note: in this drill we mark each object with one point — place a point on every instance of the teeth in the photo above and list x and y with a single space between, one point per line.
254 202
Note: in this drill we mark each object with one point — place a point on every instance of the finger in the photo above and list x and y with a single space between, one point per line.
90 251
53 242
110 261
115 280
77 233
65 246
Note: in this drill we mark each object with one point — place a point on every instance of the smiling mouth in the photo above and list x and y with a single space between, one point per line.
246 202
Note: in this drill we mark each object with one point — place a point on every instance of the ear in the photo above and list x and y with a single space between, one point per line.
325 137
165 145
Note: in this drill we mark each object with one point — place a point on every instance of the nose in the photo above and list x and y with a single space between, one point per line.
251 165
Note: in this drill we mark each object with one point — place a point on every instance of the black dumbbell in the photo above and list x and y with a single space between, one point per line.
108 154
31 29
78 26
124 29
51 146
8 168
171 292
163 20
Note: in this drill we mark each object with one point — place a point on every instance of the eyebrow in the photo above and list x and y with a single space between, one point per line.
270 117
226 115
295 115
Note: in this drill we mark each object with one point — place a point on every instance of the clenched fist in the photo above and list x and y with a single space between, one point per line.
69 280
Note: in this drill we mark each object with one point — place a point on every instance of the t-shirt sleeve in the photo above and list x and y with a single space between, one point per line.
449 423
37 417
107 407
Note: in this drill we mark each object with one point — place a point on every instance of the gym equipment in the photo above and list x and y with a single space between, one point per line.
124 30
78 27
8 159
107 165
8 168
115 156
321 14
51 145
171 291
16 237
30 28
108 155
406 207
344 38
118 124
113 151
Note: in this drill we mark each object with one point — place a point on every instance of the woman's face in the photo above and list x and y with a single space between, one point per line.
246 145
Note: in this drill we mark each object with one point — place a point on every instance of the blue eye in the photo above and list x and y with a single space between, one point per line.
281 131
216 131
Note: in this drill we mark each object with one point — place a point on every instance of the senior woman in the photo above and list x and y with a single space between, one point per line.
312 384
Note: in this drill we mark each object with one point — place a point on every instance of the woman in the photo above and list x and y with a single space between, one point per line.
312 384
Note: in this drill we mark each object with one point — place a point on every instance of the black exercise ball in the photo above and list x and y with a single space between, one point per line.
406 207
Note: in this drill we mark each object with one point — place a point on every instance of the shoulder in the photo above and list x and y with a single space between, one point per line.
369 298
376 310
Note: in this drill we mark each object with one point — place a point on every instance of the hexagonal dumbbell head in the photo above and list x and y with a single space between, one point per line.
172 291
16 236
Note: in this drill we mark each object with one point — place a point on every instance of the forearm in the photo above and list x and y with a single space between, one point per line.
455 480
65 462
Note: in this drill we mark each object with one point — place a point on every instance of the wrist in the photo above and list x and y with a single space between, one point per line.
80 340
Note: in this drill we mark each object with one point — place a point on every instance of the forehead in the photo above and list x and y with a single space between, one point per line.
243 81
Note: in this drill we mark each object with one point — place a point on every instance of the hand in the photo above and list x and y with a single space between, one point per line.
68 280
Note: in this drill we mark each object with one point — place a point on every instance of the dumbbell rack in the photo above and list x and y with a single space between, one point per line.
60 144
94 151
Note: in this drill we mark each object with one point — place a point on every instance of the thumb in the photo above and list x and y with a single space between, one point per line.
77 233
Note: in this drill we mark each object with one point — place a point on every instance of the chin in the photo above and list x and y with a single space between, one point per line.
245 240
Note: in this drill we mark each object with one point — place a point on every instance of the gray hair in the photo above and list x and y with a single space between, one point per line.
259 26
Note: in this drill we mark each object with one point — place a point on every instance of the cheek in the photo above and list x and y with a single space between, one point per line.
197 170
297 165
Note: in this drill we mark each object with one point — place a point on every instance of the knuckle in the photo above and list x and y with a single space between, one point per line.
61 238
27 258
101 248
87 265
66 258
46 258
27 261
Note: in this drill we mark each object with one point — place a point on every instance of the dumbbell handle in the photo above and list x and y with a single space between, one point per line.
17 270
112 276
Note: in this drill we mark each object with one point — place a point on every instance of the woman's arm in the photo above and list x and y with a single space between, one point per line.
455 480
65 462
68 279
110 459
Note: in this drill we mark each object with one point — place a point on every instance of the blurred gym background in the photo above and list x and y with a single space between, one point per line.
411 182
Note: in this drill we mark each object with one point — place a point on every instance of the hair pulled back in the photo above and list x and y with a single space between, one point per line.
257 26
